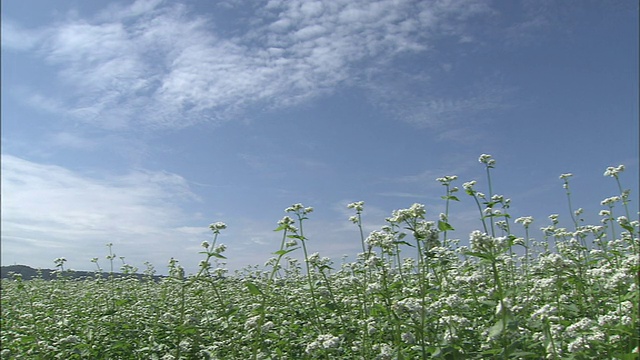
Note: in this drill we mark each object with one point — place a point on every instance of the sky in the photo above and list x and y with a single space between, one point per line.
139 123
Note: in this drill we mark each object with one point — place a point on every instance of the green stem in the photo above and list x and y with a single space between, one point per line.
361 232
423 284
490 196
503 312
446 213
482 217
309 279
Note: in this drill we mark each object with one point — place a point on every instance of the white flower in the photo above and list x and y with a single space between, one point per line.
469 185
614 171
217 226
480 242
487 159
313 258
386 351
299 208
622 220
268 326
286 221
251 322
294 208
525 221
358 206
416 211
447 179
71 339
610 200
544 312
408 338
325 341
583 325
329 341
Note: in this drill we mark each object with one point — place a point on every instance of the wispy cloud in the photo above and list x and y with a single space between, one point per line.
439 99
71 140
161 65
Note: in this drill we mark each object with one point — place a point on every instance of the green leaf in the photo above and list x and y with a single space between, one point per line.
450 197
403 243
444 226
218 255
283 252
627 227
331 306
521 354
490 303
324 267
480 255
496 329
121 302
628 356
108 312
253 289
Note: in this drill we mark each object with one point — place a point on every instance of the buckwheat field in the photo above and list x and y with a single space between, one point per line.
517 288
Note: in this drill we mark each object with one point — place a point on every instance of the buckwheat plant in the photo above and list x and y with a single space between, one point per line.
477 196
489 163
443 223
358 206
526 221
631 227
60 263
287 245
301 213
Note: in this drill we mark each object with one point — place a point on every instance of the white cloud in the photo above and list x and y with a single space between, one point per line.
163 66
49 211
14 37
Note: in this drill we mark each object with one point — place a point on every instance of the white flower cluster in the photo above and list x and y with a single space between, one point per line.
614 171
324 341
416 211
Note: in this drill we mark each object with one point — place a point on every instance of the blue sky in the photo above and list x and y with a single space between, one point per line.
140 123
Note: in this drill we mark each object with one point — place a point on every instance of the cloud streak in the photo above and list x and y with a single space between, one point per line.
154 65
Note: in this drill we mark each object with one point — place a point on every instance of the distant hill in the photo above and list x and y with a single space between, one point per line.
29 273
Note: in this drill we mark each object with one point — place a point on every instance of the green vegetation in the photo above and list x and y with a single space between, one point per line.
413 293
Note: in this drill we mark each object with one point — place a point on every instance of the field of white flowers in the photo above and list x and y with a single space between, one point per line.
413 293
